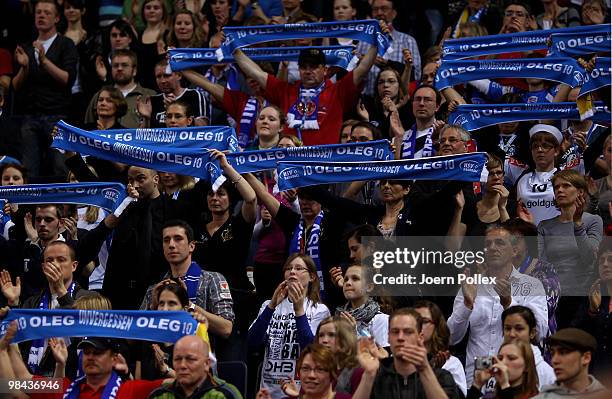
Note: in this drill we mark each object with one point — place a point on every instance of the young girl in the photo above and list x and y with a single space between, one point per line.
287 322
339 335
361 310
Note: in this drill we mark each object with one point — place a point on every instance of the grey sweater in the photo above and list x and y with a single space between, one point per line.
572 250
558 392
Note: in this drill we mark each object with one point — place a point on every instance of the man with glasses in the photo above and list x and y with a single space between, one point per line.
453 140
124 66
417 142
386 10
516 18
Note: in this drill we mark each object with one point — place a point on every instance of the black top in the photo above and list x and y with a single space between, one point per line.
41 93
226 251
194 98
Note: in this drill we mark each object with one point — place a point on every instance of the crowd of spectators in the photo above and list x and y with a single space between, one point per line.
280 283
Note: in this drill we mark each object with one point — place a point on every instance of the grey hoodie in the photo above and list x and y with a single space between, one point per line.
557 391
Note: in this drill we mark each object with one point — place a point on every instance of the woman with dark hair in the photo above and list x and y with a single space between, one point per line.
223 242
392 219
437 340
11 223
519 323
73 12
155 360
390 96
514 372
490 209
526 261
287 323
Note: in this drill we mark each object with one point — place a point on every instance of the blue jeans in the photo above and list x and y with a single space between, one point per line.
37 153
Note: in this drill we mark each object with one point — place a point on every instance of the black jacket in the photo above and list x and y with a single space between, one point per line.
136 259
391 385
41 93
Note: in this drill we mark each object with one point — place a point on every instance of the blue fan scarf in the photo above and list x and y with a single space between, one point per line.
599 77
579 43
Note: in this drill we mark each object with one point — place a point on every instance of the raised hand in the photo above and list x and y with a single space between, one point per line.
53 273
59 350
368 355
70 224
38 47
407 56
144 107
290 388
388 104
29 227
21 57
296 294
503 195
101 68
10 291
579 209
220 156
280 293
336 276
595 296
395 126
120 365
523 213
362 112
469 292
503 289
349 317
500 372
263 393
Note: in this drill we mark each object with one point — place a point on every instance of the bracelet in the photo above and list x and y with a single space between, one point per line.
234 182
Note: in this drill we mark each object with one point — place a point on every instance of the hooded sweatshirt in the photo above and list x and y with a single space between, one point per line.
556 391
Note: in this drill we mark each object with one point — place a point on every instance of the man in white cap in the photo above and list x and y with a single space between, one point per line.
534 189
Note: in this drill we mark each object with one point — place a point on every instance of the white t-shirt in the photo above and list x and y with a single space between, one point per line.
282 348
454 366
535 189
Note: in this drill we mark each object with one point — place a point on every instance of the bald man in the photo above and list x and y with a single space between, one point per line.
193 379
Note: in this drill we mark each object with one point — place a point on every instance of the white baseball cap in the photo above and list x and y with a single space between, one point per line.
541 127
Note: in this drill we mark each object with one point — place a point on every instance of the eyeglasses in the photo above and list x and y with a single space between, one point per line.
542 146
512 13
317 370
298 269
358 139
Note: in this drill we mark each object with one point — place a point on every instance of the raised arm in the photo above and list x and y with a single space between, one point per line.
215 90
251 68
364 66
261 191
249 204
